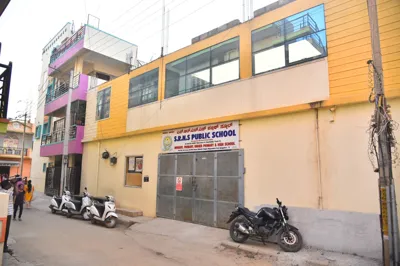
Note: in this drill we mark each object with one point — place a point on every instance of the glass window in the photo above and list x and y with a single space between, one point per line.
44 167
103 104
208 67
298 38
133 171
38 131
143 89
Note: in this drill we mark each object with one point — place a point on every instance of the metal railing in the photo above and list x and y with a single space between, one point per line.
58 136
12 151
62 89
69 43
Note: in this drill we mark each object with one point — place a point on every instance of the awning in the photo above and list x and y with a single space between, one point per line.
9 163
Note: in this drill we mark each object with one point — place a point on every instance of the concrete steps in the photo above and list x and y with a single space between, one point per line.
129 212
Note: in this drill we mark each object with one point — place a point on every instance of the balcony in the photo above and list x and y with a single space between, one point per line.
58 98
53 144
10 152
67 50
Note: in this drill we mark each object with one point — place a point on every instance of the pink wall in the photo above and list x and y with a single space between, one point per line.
75 146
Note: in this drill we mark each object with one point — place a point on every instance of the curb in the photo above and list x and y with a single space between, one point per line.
125 222
250 249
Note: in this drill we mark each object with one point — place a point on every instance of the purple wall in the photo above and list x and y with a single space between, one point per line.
66 56
75 146
78 93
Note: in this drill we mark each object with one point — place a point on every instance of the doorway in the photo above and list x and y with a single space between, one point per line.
212 186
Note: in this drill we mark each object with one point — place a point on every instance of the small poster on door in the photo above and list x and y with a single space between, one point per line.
139 164
131 164
179 183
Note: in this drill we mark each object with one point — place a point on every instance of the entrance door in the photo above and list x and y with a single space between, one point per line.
212 185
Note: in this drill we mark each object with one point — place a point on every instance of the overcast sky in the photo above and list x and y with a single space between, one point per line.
26 26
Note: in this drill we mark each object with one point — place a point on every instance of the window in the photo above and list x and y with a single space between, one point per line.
38 131
143 89
44 167
45 128
206 68
293 40
134 170
103 104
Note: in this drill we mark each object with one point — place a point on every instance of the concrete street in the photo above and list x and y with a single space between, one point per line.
43 238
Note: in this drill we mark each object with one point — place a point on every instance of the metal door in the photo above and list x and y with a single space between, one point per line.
212 184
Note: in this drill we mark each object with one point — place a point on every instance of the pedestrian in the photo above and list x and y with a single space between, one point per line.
29 189
19 202
6 187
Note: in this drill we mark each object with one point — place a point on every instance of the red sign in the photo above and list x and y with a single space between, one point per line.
179 183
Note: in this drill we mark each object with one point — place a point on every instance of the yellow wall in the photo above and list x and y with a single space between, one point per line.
389 29
281 160
349 47
111 179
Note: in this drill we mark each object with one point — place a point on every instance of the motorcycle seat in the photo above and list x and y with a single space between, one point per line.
248 212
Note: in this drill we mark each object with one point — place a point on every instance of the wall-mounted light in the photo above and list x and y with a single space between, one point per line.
105 155
113 160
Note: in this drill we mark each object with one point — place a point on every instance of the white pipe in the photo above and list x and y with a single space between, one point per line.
251 13
98 166
244 10
320 200
162 27
167 33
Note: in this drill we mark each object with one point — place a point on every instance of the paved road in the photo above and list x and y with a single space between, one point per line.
43 238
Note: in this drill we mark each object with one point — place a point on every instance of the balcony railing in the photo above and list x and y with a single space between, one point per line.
57 136
68 44
62 89
13 151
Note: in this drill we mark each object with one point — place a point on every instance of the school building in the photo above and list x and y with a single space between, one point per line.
276 106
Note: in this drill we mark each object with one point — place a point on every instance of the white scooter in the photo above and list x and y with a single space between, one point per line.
79 207
57 204
104 211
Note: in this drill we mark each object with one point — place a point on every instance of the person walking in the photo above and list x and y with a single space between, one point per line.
19 202
6 187
29 189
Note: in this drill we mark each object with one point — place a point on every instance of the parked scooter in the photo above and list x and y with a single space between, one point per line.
104 211
57 204
79 207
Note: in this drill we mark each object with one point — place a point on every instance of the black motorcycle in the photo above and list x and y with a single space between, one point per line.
264 224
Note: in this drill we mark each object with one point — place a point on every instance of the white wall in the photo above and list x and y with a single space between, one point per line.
37 174
108 45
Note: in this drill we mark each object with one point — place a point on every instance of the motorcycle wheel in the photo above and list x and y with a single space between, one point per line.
92 220
290 241
53 211
235 234
69 214
111 222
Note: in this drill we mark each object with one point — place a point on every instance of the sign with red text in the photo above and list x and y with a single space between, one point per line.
179 183
220 136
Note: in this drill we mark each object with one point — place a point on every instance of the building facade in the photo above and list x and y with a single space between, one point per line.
276 107
80 60
13 148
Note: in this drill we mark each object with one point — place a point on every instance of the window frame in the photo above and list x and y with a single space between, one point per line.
141 90
103 103
210 67
38 132
126 171
286 44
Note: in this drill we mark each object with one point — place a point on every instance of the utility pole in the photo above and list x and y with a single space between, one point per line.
67 127
381 120
23 147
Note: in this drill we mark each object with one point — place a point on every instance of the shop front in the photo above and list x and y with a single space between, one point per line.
200 174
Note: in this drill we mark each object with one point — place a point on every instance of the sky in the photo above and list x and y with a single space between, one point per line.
27 26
